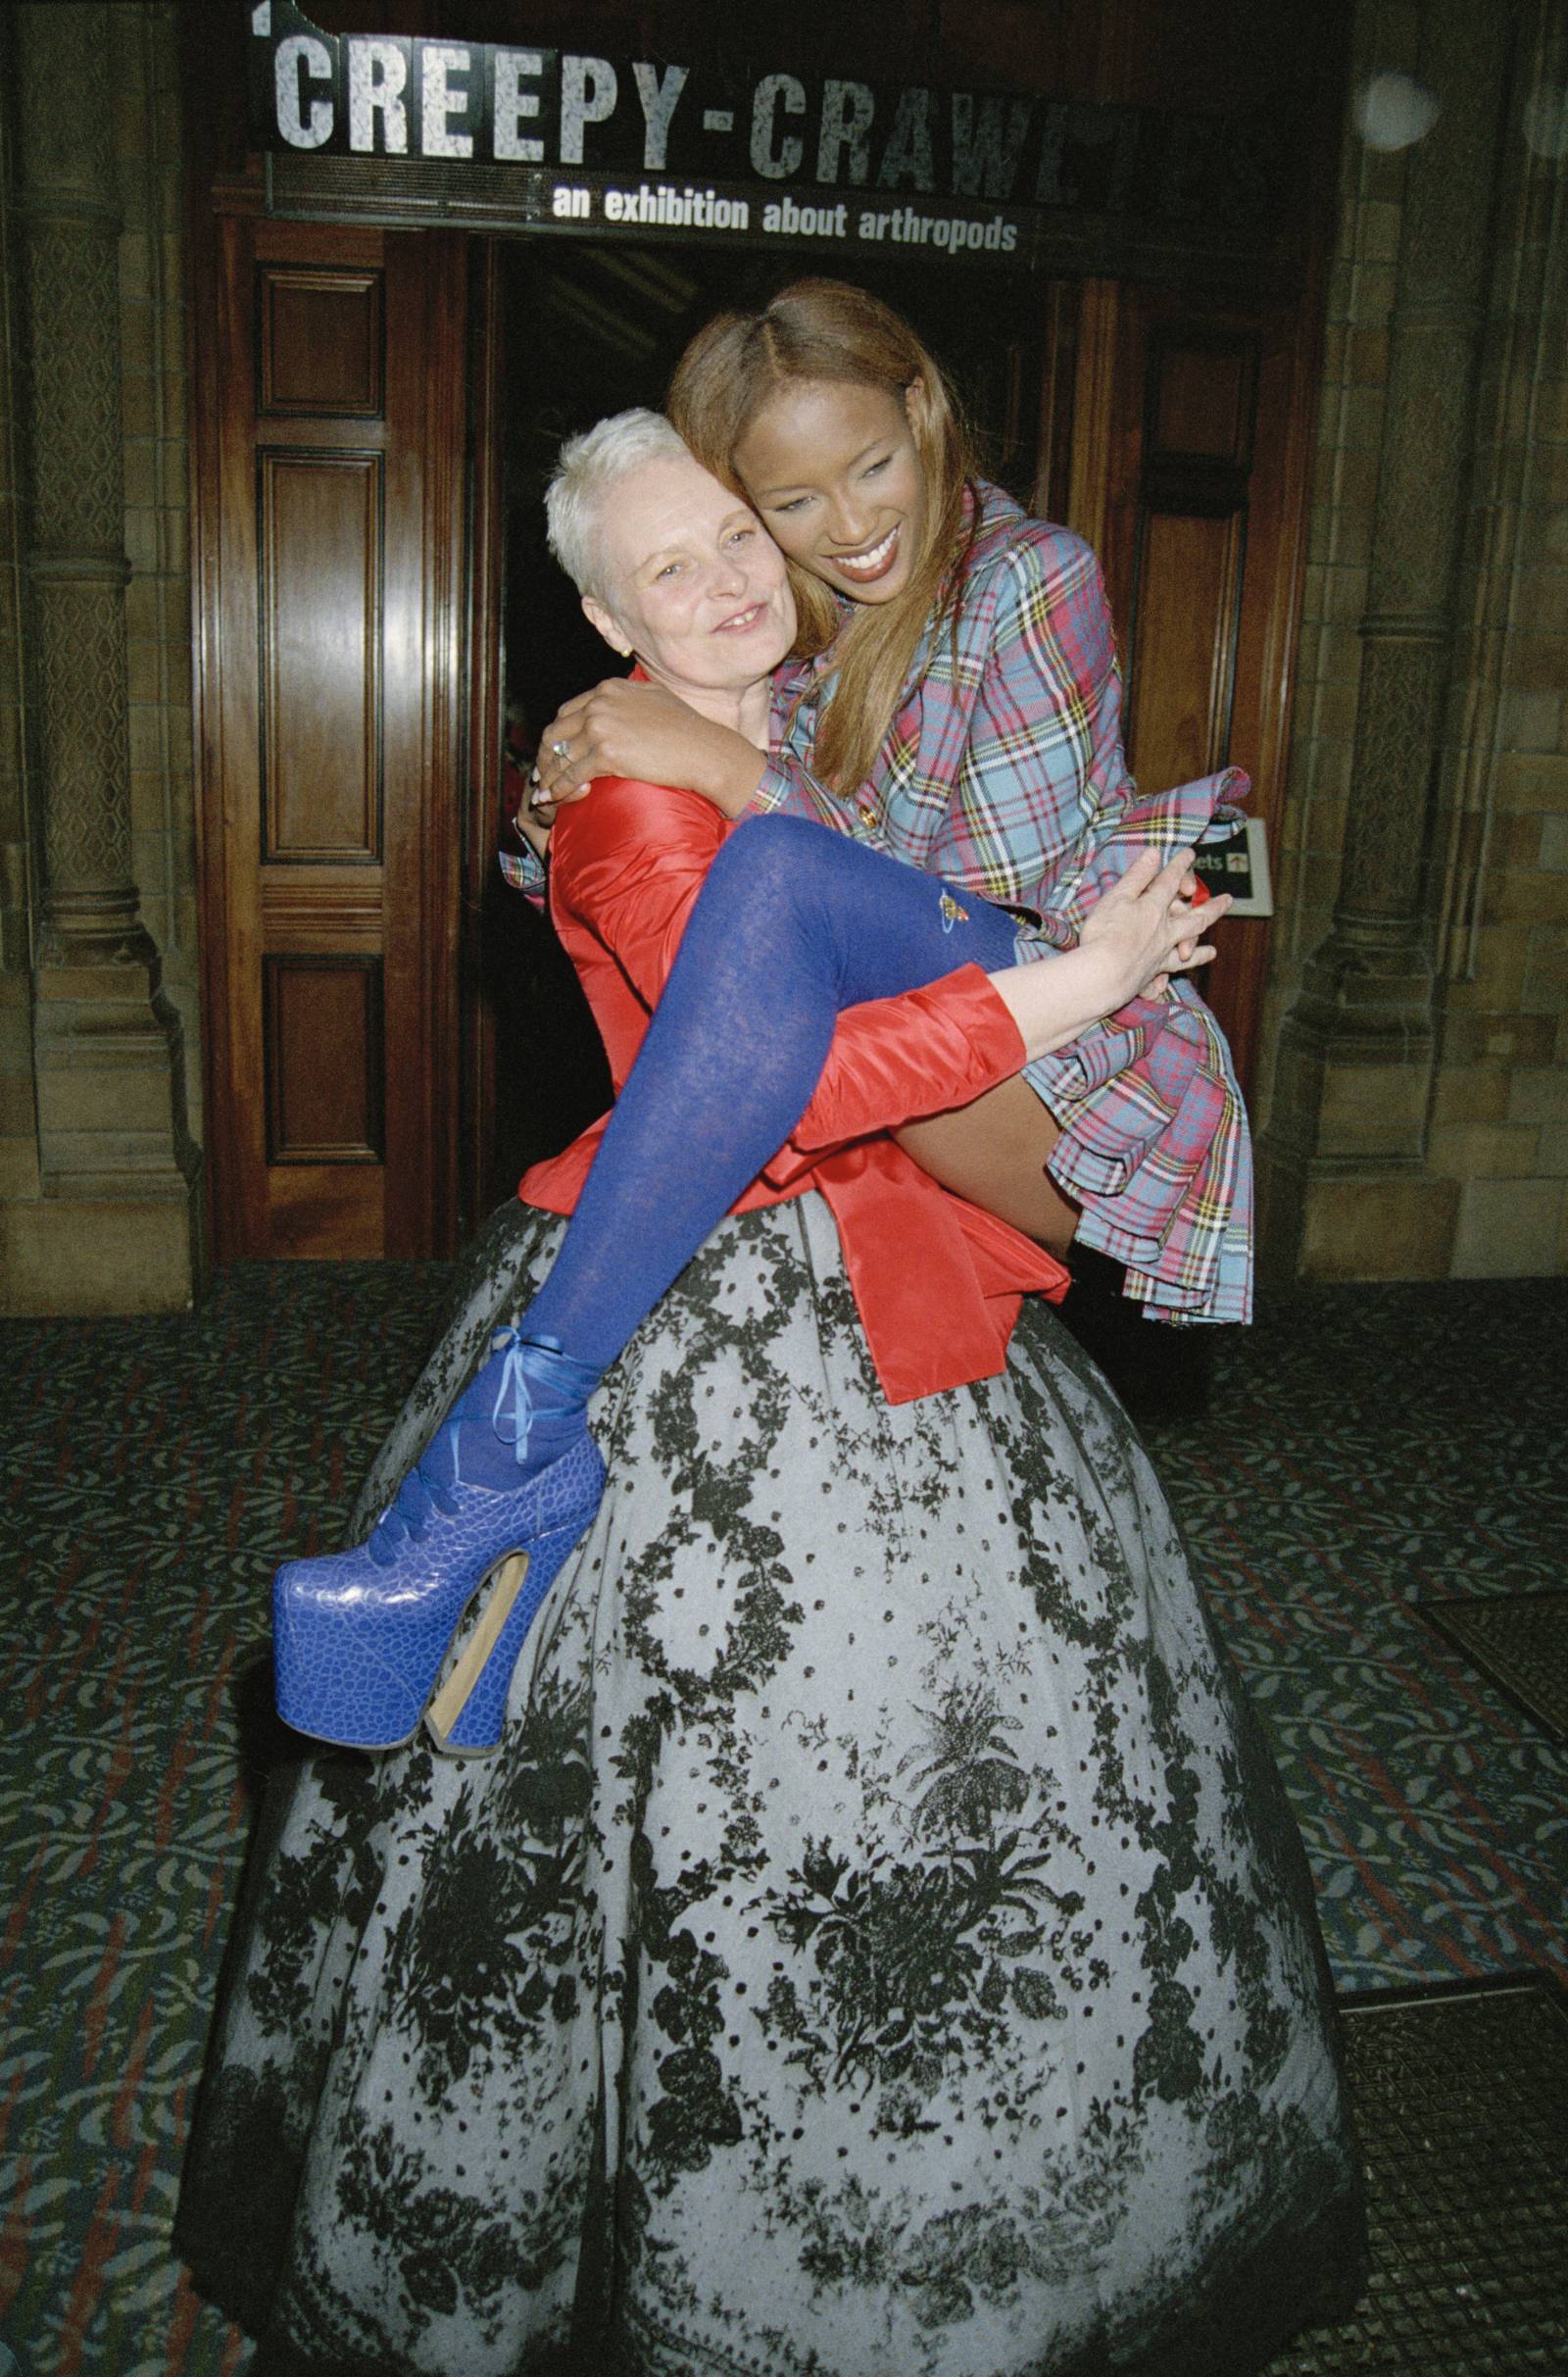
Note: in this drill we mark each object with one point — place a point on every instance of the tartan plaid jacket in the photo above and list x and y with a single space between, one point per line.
1004 772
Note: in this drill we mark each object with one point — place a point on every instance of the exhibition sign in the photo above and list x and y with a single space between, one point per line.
400 127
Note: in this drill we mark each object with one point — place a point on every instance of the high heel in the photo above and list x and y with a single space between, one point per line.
360 1637
466 1714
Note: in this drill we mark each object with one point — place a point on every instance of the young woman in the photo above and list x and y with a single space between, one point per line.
882 1944
957 705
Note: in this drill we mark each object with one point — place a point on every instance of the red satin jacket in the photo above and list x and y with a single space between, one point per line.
936 1281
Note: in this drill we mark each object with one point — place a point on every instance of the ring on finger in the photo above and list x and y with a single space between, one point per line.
563 751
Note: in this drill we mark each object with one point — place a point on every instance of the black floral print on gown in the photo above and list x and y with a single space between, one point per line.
880 1946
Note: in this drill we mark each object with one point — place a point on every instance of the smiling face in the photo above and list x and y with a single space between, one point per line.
835 475
694 586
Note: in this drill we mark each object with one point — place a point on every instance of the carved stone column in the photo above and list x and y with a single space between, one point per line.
1341 1163
117 1224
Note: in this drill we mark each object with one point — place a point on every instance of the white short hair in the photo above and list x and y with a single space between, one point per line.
588 467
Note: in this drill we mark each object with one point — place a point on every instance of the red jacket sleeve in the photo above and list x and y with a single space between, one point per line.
629 862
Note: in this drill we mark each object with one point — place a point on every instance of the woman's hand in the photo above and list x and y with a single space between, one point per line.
1136 936
626 730
1150 925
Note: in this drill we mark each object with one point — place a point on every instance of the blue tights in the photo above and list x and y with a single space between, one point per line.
794 923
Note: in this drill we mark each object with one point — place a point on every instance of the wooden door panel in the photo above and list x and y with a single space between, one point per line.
332 545
1198 416
320 601
321 347
1200 399
1189 577
321 1026
317 1209
300 904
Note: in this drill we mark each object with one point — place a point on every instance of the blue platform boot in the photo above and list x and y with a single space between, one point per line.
504 1493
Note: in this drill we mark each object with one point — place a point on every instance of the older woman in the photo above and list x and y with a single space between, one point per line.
882 1943
787 935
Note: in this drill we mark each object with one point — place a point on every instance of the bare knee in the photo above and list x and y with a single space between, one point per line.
993 1153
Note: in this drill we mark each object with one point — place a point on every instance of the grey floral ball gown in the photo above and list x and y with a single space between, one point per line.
880 1948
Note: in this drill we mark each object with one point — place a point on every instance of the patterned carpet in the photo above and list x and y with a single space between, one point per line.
1366 1457
1369 1454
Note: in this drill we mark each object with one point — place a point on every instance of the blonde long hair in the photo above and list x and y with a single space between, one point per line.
828 331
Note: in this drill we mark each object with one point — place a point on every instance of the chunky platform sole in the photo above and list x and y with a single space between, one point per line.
359 1648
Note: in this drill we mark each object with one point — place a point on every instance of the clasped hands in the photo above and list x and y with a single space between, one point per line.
1149 925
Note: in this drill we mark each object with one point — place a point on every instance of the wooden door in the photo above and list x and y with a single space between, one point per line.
1192 422
328 433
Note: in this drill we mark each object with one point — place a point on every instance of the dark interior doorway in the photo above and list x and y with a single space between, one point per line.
587 327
